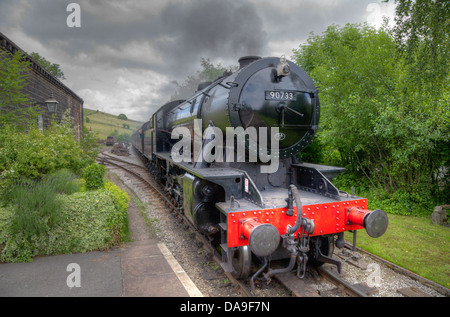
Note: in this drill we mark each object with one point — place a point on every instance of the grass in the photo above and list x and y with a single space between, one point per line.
36 205
105 124
414 243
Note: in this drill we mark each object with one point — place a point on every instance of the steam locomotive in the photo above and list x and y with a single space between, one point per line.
253 197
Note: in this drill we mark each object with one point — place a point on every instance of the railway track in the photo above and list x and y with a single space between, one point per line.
295 286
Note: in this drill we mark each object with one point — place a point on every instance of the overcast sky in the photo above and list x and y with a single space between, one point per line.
127 53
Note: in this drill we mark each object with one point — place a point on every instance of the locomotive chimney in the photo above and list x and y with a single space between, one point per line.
246 60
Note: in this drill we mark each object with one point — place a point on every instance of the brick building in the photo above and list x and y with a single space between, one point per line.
42 87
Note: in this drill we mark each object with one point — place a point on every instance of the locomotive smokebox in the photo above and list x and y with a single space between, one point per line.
375 222
263 239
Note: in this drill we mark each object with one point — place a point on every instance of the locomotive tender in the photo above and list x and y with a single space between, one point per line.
293 212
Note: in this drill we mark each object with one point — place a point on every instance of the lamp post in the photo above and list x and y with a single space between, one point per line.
52 104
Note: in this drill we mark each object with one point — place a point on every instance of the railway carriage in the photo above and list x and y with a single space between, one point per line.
291 212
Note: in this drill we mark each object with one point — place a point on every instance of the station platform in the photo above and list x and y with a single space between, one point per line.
140 269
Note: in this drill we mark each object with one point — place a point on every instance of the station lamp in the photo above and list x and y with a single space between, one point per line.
52 104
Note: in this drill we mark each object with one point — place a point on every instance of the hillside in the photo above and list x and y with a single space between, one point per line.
105 124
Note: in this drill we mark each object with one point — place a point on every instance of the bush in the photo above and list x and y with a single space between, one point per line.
13 79
118 221
36 209
417 202
376 119
6 218
90 221
94 175
42 210
34 154
90 143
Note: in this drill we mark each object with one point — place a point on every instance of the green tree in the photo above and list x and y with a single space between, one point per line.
14 107
53 69
122 117
373 120
422 33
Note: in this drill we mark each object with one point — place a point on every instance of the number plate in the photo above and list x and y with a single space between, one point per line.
282 95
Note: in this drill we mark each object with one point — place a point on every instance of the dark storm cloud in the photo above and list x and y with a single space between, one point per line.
181 32
231 28
127 52
288 20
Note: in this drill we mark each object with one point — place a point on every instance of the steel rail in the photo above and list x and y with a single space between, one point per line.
346 287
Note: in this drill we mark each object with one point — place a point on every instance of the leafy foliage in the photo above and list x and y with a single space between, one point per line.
36 209
118 221
34 154
14 108
89 143
41 208
374 119
94 175
121 137
53 69
422 33
54 217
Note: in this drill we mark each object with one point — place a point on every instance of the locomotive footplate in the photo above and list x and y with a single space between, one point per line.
329 217
248 228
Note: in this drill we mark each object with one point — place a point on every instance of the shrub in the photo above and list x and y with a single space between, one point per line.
64 181
13 79
121 198
90 221
380 117
118 221
6 216
122 138
90 143
36 209
34 154
86 225
94 175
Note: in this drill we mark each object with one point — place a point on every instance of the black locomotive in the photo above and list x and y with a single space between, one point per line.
253 197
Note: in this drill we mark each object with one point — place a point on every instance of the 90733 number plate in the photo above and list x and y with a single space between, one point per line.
281 95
